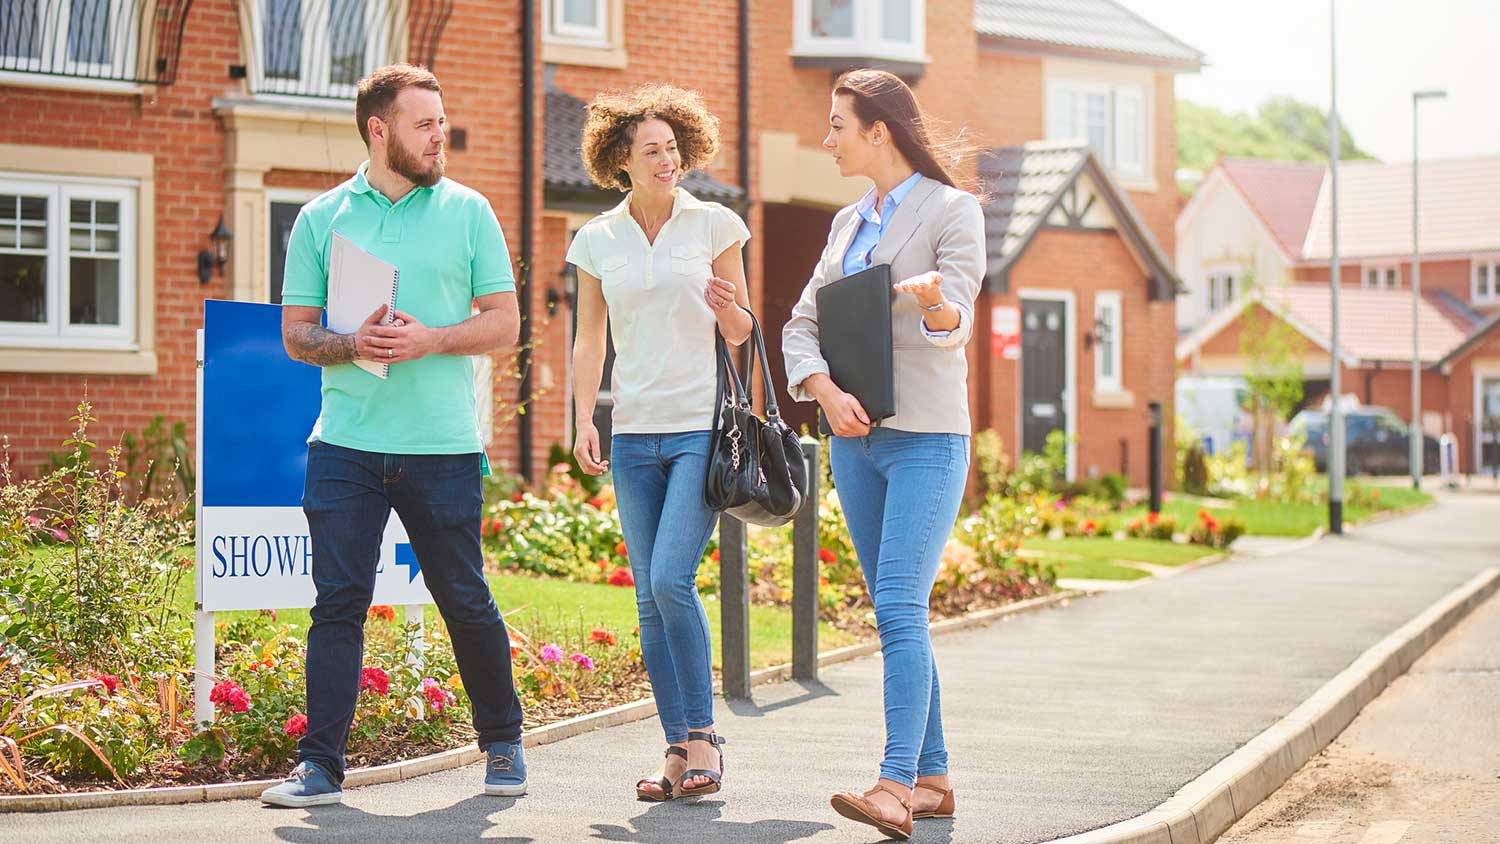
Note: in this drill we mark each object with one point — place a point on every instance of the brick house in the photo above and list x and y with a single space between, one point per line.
1077 240
1270 221
235 122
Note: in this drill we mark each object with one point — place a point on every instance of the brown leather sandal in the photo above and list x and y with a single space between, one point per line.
715 778
665 784
945 804
856 807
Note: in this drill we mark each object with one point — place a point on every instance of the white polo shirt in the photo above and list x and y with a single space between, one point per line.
664 377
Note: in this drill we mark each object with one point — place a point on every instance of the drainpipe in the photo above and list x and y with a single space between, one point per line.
528 220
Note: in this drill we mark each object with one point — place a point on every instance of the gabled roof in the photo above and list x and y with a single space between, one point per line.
1282 193
1023 185
1375 325
562 158
1460 209
1485 329
1091 26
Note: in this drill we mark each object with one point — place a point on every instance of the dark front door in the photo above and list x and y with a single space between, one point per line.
283 215
1044 371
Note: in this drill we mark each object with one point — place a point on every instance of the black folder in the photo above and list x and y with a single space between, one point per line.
854 336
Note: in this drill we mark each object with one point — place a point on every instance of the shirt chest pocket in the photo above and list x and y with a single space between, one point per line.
613 270
690 260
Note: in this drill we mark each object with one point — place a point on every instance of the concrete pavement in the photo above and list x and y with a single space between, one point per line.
1057 722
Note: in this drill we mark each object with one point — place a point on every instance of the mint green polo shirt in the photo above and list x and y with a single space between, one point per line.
449 249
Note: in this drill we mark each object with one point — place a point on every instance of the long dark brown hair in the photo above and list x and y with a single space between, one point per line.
880 95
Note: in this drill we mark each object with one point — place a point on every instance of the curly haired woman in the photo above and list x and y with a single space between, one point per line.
661 272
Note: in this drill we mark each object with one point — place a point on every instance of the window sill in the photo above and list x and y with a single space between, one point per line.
51 82
584 54
78 361
1119 399
907 66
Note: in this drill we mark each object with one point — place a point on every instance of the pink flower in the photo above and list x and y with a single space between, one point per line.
551 653
438 696
59 534
33 521
375 680
583 661
296 725
229 695
110 681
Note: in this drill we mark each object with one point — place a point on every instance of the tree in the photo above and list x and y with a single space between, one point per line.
1282 129
1273 376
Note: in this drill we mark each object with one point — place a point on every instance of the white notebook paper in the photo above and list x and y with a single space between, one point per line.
358 283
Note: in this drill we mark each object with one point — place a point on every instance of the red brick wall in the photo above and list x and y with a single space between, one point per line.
1449 275
1085 264
177 126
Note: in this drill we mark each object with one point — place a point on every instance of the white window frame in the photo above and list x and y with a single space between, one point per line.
1383 270
53 43
1115 93
315 63
56 332
1492 295
1229 275
868 40
559 29
1114 382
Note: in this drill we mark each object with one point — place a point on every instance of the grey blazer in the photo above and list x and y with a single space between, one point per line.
935 228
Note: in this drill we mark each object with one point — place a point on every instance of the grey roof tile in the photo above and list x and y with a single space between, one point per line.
1096 25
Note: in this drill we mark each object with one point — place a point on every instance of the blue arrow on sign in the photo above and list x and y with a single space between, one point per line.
405 556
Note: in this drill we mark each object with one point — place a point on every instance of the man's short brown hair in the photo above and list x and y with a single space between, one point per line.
378 91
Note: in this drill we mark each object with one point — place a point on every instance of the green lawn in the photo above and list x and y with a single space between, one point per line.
527 601
1280 518
1098 558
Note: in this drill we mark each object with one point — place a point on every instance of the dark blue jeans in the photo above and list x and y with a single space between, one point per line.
348 499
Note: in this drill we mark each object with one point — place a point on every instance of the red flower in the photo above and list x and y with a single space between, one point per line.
1212 524
622 550
597 503
517 496
714 556
376 680
229 695
110 681
1152 518
296 725
603 564
827 556
621 577
602 636
1090 526
383 611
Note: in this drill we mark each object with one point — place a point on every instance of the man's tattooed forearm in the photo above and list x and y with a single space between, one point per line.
318 346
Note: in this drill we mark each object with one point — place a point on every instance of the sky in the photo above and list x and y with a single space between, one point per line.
1386 50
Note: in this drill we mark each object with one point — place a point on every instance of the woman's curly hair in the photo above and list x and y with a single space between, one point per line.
613 117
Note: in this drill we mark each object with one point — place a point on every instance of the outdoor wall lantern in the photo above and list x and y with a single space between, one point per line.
1098 334
218 256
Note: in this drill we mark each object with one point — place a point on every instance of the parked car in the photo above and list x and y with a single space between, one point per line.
1375 441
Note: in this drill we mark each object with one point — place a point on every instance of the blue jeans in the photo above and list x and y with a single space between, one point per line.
901 492
348 499
659 487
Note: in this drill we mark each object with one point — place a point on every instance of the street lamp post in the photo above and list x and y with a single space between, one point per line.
1335 412
1414 437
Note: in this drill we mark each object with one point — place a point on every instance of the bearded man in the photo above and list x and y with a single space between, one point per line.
408 442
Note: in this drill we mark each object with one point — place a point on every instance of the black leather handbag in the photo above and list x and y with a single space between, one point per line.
756 468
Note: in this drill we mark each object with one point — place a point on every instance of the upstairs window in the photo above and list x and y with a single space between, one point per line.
1111 118
890 30
1380 277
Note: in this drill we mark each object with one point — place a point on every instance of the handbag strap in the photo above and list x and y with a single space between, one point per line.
726 363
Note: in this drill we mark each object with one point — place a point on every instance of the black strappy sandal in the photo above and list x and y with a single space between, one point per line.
664 784
715 778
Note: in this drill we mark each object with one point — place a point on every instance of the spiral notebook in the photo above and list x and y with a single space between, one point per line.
358 283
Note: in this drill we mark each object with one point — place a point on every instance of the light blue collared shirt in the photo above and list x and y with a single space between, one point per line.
873 223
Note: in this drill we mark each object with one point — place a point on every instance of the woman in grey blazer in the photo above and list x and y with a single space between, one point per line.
900 480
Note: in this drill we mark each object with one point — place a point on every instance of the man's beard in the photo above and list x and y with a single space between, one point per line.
410 166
